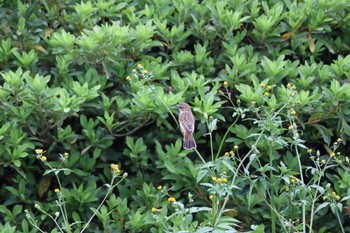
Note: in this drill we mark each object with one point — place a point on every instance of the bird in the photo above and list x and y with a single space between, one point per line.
186 121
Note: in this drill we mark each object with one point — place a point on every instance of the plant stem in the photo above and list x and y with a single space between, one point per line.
65 215
224 138
104 199
341 225
154 92
236 174
211 141
296 137
272 191
200 156
244 158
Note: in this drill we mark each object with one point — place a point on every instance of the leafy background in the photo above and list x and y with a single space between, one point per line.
70 83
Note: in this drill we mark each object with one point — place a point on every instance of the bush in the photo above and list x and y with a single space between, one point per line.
89 136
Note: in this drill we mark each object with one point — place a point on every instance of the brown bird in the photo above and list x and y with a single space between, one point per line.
186 120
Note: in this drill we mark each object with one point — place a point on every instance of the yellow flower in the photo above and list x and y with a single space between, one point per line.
171 199
232 153
323 161
139 65
235 147
269 87
159 187
262 84
290 127
225 83
309 150
227 154
334 193
289 85
145 71
65 154
220 180
115 168
332 154
339 140
224 180
39 151
128 78
211 197
57 190
266 93
213 178
337 197
293 112
43 158
292 180
154 210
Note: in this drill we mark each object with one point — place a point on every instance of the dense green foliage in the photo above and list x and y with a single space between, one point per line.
94 83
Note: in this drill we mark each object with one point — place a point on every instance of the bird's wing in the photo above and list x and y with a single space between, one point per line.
188 122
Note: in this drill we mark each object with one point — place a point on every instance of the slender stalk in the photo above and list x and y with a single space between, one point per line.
104 199
341 225
224 138
296 137
246 156
236 174
315 197
65 215
272 192
211 140
53 219
160 99
199 155
299 163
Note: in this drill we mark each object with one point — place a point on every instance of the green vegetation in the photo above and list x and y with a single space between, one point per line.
89 139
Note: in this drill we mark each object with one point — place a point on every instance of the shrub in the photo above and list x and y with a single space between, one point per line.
89 90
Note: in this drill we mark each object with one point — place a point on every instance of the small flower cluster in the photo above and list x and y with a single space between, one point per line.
39 154
164 192
219 180
336 156
268 88
230 153
140 71
333 195
115 168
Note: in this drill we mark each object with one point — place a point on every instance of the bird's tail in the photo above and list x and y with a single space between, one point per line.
189 142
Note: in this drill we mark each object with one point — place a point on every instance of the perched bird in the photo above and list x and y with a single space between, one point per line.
186 120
